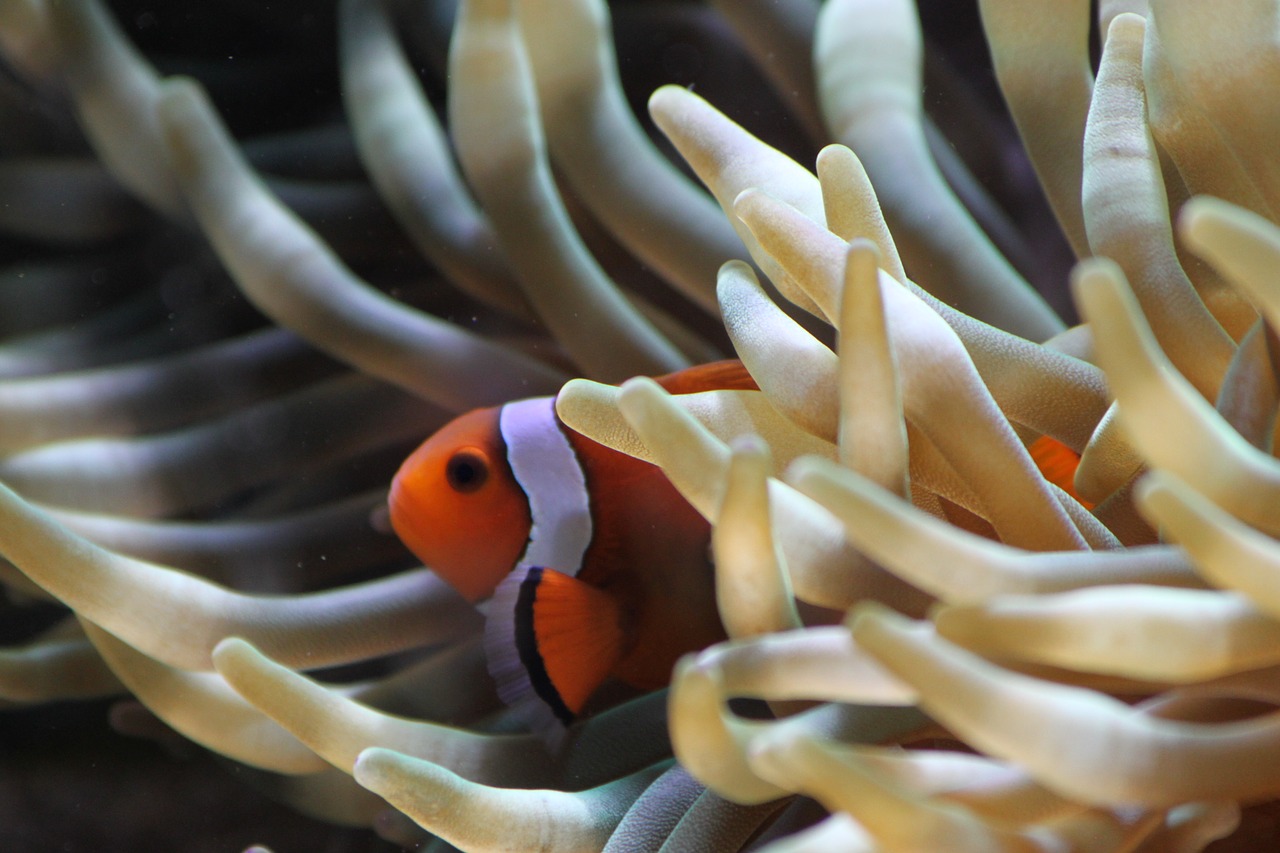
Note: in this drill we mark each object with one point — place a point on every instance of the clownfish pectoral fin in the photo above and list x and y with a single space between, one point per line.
550 640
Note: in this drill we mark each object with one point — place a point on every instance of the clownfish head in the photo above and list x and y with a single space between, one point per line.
457 506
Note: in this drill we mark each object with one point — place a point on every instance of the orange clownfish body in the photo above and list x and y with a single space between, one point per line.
588 563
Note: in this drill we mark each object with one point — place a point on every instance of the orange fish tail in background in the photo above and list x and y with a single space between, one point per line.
1058 464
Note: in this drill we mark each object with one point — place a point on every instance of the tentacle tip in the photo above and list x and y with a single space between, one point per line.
695 691
870 616
696 668
834 152
666 98
786 756
1129 24
179 96
571 391
231 649
767 756
422 789
1165 501
183 108
636 394
748 198
373 768
1090 272
1200 215
1094 281
232 655
775 741
1154 485
750 446
804 471
959 623
732 275
862 247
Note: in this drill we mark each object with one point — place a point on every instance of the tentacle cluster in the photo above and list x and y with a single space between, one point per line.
933 646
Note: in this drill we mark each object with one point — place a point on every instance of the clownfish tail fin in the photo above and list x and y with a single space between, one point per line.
550 640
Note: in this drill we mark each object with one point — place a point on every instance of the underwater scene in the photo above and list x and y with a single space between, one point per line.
653 425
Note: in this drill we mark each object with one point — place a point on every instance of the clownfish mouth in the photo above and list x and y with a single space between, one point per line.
380 519
401 513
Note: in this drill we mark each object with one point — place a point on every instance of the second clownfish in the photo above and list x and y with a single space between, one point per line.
587 562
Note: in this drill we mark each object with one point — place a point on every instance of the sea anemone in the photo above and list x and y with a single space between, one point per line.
936 641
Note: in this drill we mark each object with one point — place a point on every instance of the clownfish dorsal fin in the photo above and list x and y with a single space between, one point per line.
727 375
550 640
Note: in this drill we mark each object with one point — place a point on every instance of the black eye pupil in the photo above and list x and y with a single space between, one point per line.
466 471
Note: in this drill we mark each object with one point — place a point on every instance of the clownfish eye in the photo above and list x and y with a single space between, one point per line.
466 471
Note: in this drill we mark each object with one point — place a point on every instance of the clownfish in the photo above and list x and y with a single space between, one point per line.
586 562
